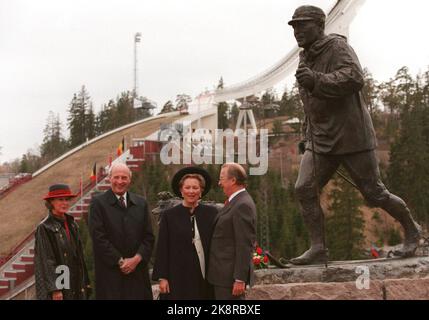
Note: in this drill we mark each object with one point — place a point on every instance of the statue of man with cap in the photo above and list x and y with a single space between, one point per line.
338 131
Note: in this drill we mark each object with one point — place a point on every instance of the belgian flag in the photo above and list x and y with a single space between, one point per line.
93 176
121 148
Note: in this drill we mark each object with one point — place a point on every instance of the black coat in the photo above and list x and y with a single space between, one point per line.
176 257
340 120
232 246
54 249
120 233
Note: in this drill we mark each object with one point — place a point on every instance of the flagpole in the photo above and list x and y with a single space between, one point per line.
81 188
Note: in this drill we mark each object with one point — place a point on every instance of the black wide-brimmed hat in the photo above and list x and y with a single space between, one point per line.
190 170
59 191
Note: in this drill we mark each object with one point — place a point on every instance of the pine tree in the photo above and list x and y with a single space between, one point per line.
54 143
77 119
268 107
124 109
345 225
90 123
234 115
370 93
296 103
75 122
30 162
222 110
182 102
409 154
168 107
106 118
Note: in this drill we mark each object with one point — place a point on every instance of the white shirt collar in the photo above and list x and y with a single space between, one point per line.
232 196
124 195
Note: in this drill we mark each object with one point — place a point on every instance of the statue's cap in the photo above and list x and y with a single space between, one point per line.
308 13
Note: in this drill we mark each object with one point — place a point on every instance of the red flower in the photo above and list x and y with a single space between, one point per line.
256 261
265 259
259 250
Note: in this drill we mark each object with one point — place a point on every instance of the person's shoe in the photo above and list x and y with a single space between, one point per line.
411 243
312 256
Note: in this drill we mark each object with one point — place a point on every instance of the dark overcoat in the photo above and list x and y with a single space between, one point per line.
117 233
339 116
232 243
176 257
52 250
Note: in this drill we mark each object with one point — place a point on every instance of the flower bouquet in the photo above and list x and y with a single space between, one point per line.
260 259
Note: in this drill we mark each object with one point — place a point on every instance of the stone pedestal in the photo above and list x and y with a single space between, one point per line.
393 279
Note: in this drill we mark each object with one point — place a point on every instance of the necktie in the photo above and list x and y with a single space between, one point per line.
122 202
226 202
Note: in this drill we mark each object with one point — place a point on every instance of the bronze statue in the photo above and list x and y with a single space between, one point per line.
339 129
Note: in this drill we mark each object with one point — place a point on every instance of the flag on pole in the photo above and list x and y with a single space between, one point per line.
121 148
93 176
81 186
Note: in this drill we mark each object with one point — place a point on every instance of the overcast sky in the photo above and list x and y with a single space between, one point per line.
50 48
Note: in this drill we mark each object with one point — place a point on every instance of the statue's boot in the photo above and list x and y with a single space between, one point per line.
413 233
312 256
397 208
314 220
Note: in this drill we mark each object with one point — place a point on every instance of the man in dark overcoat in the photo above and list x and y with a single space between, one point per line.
234 237
122 237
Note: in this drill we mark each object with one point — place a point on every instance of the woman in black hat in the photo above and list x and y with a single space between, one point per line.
184 239
60 270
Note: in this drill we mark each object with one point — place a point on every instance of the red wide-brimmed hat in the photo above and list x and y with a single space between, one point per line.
59 191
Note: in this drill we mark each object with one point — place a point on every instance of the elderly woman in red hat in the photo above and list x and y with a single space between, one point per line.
184 239
60 269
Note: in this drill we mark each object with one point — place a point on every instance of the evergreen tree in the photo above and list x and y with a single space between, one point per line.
409 154
268 107
291 105
106 118
90 123
30 162
345 225
234 115
182 102
53 142
280 225
370 94
286 107
88 253
124 109
222 110
76 122
396 95
296 103
77 119
168 107
222 115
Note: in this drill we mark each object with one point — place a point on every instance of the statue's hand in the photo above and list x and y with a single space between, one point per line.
305 77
